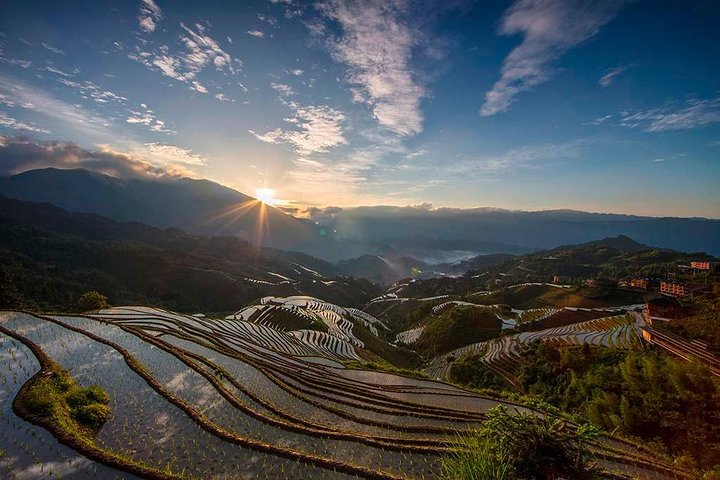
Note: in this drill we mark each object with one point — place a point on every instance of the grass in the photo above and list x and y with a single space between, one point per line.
476 458
56 396
386 367
523 446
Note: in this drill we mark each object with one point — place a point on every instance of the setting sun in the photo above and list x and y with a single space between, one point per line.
266 195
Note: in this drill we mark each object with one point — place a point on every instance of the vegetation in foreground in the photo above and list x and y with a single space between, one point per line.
522 446
55 396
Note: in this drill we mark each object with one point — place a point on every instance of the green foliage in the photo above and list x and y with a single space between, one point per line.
57 396
477 458
9 294
91 300
469 371
456 327
523 446
93 415
386 367
640 394
704 321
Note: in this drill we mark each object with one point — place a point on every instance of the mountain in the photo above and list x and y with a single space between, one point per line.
430 235
51 256
491 230
197 206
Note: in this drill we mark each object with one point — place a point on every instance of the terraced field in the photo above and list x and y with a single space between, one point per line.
502 355
194 397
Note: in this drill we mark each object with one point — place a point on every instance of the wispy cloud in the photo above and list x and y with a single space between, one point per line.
147 118
607 79
376 44
18 154
150 15
52 48
9 122
43 103
89 90
549 29
200 52
282 89
317 129
256 33
164 154
693 113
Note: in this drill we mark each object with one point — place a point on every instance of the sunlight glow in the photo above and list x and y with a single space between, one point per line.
266 195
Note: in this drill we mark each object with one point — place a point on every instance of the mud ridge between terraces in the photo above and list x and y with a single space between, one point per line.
85 448
616 455
413 409
191 360
219 432
324 406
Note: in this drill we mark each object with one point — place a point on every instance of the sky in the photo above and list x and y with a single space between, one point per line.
596 105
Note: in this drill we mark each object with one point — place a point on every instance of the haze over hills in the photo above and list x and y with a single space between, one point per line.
432 236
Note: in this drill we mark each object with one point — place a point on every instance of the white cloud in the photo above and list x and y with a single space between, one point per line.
693 113
223 98
150 15
147 118
256 33
297 72
549 28
282 89
198 87
163 154
318 128
9 122
57 71
607 79
53 49
377 46
89 90
200 52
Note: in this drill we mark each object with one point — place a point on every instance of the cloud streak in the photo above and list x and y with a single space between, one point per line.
150 15
549 28
376 44
318 129
693 113
610 76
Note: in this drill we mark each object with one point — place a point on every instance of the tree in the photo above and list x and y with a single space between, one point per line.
9 295
91 300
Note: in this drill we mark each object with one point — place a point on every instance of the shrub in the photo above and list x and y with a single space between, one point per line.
93 415
91 300
522 446
477 458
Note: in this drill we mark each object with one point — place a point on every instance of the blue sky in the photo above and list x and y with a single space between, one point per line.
607 105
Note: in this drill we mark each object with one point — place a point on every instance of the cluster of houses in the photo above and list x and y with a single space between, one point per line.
670 287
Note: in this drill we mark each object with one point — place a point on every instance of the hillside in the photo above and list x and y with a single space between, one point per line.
197 206
52 256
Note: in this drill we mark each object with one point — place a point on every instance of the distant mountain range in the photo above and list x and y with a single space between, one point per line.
51 256
429 236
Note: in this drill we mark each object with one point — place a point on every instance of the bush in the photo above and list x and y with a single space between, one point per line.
470 371
523 446
477 458
93 415
91 300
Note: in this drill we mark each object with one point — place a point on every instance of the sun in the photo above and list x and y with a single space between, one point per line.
266 195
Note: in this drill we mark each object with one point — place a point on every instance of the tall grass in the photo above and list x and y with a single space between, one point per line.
477 458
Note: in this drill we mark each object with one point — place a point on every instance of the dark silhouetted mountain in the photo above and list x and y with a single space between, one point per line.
52 256
197 206
442 235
